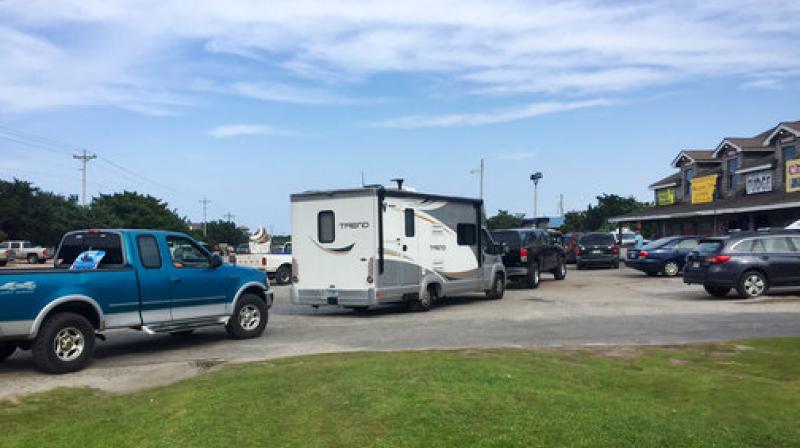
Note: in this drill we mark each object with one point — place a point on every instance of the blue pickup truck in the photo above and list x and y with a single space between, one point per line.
152 281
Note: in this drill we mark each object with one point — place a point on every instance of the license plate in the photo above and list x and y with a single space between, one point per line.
631 255
696 264
597 251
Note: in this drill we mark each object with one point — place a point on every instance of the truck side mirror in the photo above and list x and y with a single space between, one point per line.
216 261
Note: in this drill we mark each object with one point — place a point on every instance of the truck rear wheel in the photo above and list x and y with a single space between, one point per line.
249 319
283 276
560 272
6 350
64 344
33 259
533 277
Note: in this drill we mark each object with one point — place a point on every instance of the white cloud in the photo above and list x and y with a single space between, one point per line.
238 130
141 54
483 118
517 155
763 83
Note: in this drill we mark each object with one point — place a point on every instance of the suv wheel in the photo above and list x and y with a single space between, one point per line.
671 269
498 288
752 284
64 344
717 291
6 350
249 318
534 276
560 273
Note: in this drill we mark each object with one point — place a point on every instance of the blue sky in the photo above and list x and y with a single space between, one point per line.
246 102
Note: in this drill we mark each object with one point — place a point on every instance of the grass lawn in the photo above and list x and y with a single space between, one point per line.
740 394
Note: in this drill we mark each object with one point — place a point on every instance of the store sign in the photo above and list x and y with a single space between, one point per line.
758 182
703 189
665 196
792 176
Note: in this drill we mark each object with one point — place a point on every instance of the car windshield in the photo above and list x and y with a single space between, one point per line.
511 239
658 244
708 247
597 239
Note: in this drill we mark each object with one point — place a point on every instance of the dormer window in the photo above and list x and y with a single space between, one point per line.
732 166
789 153
687 185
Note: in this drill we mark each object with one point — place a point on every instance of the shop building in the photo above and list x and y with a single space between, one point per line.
745 183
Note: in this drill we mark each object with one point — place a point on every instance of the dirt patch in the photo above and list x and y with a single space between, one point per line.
679 362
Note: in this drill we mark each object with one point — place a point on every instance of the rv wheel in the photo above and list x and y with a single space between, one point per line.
498 288
424 301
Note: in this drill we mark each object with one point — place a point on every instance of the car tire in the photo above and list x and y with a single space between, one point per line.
560 272
498 288
6 350
652 274
533 277
64 344
752 284
283 276
249 318
33 259
671 269
423 302
717 291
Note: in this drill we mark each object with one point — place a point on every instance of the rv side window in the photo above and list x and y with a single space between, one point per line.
326 228
467 234
410 230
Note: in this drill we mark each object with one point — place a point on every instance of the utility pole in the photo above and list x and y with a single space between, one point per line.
84 158
230 217
535 177
205 201
561 204
481 172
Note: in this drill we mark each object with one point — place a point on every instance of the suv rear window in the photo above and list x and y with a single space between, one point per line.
597 239
77 243
511 239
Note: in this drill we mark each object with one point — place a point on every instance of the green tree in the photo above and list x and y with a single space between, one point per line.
609 205
504 220
574 222
224 232
131 210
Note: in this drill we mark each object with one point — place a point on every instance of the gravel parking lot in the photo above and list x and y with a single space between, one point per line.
613 307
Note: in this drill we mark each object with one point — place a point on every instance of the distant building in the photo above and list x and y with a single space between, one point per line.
544 222
742 184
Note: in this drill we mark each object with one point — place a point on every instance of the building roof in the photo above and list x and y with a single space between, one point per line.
670 181
792 127
756 164
695 156
740 204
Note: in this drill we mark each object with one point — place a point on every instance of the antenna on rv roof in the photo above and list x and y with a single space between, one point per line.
399 181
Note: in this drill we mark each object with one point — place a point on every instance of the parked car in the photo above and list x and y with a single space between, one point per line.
570 244
25 250
597 249
750 263
531 252
663 256
5 255
153 281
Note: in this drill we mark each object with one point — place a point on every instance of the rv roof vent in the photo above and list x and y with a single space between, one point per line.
399 182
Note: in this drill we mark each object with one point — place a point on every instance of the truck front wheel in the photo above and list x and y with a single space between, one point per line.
33 259
249 319
64 344
6 350
283 276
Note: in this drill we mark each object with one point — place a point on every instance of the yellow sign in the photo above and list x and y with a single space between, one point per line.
703 189
792 176
665 196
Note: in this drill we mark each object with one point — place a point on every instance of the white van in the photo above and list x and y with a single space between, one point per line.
361 247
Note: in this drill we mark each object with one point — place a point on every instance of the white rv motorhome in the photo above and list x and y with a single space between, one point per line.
361 247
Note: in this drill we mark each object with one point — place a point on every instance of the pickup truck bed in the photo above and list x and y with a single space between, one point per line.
148 280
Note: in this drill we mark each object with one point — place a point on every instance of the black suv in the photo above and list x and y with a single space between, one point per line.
531 252
751 263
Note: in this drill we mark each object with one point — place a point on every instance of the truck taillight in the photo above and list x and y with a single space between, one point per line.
578 250
371 270
523 255
615 249
295 271
719 259
44 252
264 261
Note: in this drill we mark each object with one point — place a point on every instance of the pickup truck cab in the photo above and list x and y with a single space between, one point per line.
147 280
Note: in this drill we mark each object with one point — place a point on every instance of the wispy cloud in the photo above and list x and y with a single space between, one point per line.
238 130
483 118
764 84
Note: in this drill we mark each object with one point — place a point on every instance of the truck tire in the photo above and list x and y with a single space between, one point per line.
533 277
424 301
498 288
64 344
283 276
33 259
560 272
249 319
6 350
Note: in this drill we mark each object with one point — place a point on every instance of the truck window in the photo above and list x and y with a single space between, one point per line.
326 227
148 251
27 245
76 243
186 254
410 229
5 245
467 234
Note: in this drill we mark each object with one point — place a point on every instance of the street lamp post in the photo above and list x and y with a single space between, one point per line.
535 177
479 172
